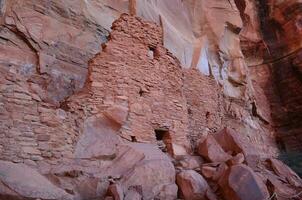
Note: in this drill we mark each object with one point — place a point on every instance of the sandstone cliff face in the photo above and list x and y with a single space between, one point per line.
89 96
282 33
49 44
274 66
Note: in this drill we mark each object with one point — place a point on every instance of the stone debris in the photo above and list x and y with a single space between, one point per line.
212 151
192 185
116 191
20 181
96 104
241 183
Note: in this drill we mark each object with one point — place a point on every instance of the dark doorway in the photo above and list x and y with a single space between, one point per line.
133 139
163 138
161 133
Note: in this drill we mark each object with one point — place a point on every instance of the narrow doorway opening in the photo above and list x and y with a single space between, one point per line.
160 134
151 52
133 139
163 138
141 92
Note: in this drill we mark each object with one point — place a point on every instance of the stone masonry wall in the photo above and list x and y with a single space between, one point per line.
30 129
205 104
134 66
133 71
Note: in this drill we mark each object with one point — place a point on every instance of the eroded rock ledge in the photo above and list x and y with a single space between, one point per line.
138 114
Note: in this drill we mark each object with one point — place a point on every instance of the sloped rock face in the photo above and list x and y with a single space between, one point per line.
22 181
87 113
284 42
246 188
192 185
211 150
50 43
81 143
239 178
274 61
69 61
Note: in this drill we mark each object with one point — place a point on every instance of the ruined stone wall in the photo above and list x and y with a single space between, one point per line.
85 124
136 67
205 104
31 130
136 72
210 110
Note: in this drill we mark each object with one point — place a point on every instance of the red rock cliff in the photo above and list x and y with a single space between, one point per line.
185 100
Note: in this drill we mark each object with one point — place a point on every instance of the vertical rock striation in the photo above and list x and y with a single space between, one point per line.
96 104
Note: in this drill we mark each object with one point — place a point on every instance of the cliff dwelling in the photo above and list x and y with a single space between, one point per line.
177 99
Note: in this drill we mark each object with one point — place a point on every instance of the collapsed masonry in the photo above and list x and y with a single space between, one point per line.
135 93
136 72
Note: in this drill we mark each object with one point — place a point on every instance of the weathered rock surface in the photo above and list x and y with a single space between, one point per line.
56 39
285 172
154 173
116 192
133 194
99 139
211 150
236 160
192 185
191 162
19 181
241 183
278 74
234 142
168 192
86 109
237 180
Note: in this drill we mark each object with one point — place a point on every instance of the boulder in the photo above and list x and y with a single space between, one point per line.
116 191
192 185
211 195
127 158
208 171
168 192
241 183
284 172
236 160
213 170
133 194
222 168
191 162
135 164
117 113
235 142
7 193
178 150
275 185
26 183
212 151
99 139
89 188
153 173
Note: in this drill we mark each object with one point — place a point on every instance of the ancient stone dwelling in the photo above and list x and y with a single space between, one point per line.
96 104
134 65
135 71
